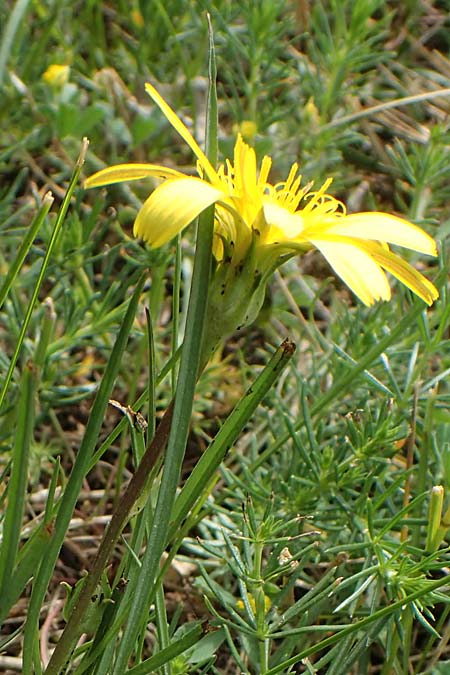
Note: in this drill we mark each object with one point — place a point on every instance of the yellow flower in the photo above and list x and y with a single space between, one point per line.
137 18
251 601
56 75
247 129
273 222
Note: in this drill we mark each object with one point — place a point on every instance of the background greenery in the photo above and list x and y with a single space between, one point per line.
320 517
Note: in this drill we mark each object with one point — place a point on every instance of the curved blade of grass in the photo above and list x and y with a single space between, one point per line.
30 557
211 459
9 34
30 554
162 626
56 230
380 107
79 470
189 367
17 485
25 246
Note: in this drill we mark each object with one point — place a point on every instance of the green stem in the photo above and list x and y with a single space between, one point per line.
190 360
191 355
176 309
260 609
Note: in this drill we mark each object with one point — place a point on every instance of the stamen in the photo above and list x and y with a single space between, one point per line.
316 198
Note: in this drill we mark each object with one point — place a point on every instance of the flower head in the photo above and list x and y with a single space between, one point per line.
266 223
247 129
137 18
56 75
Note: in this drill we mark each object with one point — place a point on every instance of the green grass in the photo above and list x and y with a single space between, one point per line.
305 532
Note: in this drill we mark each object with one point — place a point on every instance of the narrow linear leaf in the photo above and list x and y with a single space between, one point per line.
51 245
79 470
25 246
211 459
19 477
166 655
9 33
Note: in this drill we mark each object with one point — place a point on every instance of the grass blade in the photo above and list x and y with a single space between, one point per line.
166 655
19 477
56 230
79 470
9 34
213 456
25 246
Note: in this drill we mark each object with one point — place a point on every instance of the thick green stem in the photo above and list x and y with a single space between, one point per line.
143 589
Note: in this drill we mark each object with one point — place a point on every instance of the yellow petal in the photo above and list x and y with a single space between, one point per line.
357 269
171 207
264 171
184 132
283 225
123 172
244 168
217 247
405 273
383 227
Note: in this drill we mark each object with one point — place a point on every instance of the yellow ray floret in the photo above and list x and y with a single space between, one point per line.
123 172
171 207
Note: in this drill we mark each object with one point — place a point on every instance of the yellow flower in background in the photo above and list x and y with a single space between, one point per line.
247 128
56 75
273 222
137 18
